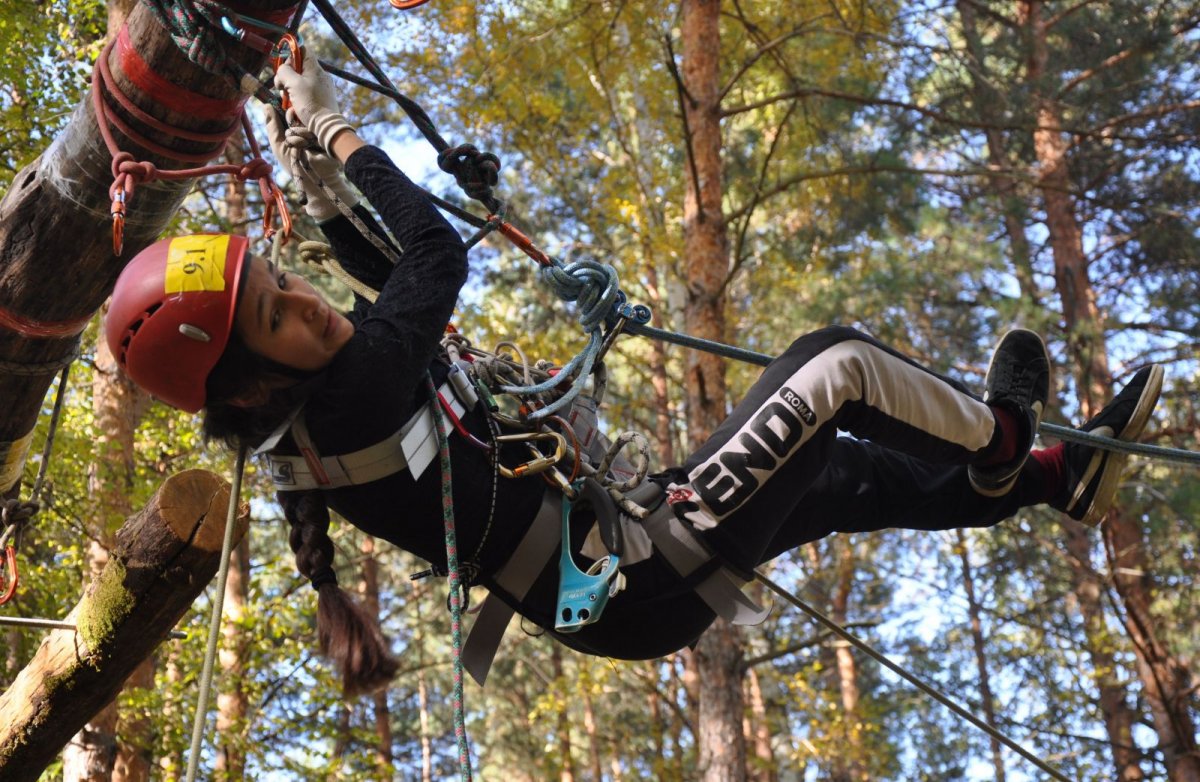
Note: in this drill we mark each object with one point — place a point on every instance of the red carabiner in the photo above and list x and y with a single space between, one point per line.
10 555
273 199
523 242
296 51
405 5
118 216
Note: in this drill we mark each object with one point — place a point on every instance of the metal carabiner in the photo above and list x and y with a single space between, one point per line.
296 51
273 199
10 559
537 465
118 216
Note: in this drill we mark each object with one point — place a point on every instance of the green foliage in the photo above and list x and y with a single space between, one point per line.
60 39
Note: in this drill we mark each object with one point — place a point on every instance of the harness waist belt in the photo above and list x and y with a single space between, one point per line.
414 447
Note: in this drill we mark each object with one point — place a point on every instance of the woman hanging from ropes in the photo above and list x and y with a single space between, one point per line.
200 322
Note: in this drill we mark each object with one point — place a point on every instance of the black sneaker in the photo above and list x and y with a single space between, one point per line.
1017 379
1092 474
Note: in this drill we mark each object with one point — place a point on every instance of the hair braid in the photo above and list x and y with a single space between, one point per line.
346 634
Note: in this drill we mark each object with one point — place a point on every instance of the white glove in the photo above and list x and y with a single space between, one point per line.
313 100
288 144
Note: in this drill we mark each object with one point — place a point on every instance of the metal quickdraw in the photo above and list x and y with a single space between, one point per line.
583 596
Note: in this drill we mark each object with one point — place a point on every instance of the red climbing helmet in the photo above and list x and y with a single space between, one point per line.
172 312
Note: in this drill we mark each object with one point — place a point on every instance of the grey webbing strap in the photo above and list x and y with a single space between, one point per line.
516 577
680 547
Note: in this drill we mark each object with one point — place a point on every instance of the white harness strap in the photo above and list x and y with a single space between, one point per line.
413 447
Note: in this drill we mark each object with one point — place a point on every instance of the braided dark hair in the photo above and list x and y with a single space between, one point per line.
346 634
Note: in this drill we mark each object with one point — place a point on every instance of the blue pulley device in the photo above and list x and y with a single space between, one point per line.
583 596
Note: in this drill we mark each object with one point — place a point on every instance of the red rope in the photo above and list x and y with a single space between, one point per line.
168 94
128 172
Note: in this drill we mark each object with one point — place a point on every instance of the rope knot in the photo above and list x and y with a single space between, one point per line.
591 285
16 513
255 169
476 172
139 171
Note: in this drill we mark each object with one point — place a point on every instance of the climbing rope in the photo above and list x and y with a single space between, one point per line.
214 625
457 588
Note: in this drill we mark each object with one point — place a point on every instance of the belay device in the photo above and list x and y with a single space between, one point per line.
582 596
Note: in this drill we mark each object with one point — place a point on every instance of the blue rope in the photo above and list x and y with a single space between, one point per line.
594 289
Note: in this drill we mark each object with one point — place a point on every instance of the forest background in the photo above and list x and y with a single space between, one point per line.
930 172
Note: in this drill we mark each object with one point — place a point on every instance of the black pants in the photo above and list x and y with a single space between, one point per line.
776 474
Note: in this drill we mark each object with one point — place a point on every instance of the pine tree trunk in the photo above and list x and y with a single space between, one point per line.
135 755
422 685
706 249
990 105
1088 592
163 557
369 589
566 771
589 719
974 614
1163 674
765 769
852 759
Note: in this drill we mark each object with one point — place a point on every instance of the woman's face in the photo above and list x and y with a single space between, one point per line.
283 318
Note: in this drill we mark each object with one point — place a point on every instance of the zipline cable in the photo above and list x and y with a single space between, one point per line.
1177 455
214 625
912 679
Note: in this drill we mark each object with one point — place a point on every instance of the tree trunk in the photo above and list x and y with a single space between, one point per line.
369 589
852 761
135 755
764 766
56 256
706 248
989 105
422 685
980 644
1088 592
1163 674
163 558
562 720
589 719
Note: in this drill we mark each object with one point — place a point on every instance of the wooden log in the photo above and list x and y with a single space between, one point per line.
56 258
164 556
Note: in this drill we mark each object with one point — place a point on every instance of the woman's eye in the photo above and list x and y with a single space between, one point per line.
283 280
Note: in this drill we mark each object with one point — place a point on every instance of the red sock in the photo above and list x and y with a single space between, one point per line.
1010 435
1054 469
